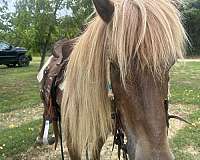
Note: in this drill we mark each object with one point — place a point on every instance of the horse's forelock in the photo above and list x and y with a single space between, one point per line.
149 30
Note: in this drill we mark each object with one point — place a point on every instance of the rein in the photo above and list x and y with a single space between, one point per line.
118 133
115 115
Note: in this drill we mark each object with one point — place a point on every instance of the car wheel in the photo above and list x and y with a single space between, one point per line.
23 61
11 65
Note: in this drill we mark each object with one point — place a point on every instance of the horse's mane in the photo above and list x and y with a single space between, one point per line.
148 32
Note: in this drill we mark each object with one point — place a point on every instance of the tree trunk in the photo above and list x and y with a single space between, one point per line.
44 47
43 55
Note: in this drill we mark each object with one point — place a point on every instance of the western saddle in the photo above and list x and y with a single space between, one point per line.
51 90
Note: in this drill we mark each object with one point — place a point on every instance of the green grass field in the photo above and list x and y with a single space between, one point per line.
185 89
19 90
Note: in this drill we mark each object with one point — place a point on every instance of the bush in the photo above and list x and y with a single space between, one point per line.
192 24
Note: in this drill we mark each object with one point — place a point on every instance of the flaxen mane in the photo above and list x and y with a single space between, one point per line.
148 32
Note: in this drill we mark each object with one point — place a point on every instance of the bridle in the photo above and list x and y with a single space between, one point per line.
115 115
119 134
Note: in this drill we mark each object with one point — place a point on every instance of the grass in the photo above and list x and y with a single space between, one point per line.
20 89
186 143
185 83
17 140
185 89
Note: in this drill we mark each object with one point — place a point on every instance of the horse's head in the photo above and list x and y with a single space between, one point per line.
143 114
145 38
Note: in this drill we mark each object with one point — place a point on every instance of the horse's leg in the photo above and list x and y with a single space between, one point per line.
39 139
95 152
42 129
73 153
97 149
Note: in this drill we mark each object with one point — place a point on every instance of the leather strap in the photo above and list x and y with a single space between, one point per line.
115 115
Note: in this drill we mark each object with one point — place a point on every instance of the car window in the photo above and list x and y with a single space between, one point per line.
3 46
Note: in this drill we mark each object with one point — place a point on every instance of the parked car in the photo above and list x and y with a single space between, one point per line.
12 56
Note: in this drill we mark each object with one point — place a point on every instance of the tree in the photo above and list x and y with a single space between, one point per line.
22 24
4 19
81 10
45 24
36 24
192 18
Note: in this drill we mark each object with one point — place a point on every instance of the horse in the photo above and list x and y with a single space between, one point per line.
120 64
142 40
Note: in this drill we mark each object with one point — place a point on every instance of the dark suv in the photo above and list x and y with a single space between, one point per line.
11 56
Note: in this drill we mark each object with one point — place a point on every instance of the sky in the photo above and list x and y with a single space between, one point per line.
11 5
11 8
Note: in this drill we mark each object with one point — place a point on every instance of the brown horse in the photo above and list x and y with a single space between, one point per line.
142 39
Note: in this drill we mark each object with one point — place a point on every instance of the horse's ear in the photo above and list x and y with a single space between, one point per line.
105 9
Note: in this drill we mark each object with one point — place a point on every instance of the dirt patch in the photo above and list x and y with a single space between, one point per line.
16 118
48 152
193 151
190 60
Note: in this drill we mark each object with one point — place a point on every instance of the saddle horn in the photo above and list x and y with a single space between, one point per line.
105 9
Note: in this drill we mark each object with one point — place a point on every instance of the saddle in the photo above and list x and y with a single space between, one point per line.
51 92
